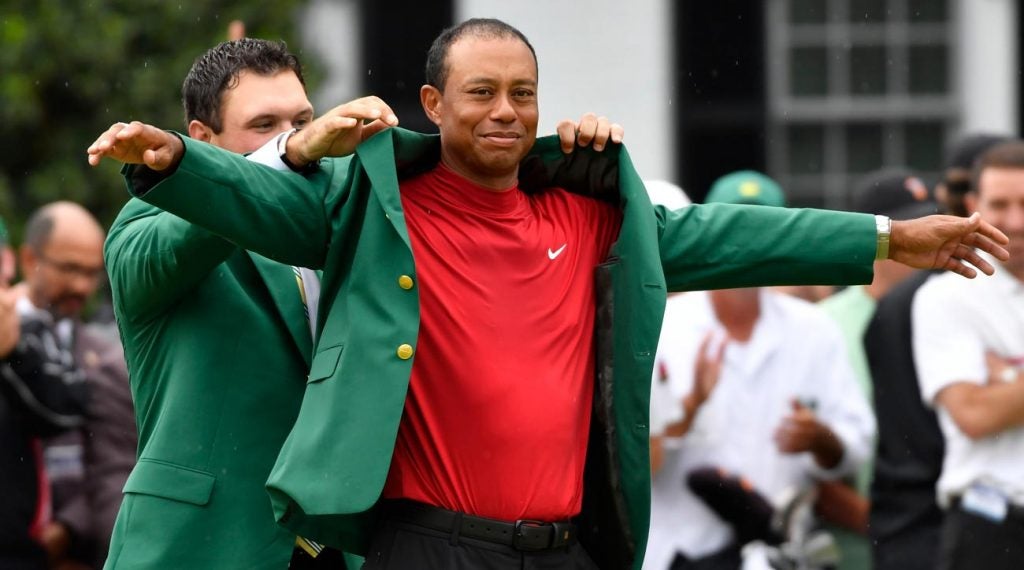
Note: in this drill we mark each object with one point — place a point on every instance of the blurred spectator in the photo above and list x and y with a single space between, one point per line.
62 261
41 394
666 194
968 347
956 178
762 392
899 194
905 519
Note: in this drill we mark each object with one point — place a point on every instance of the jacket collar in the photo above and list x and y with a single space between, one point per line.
284 289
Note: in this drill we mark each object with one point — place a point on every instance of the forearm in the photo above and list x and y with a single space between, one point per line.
840 504
984 410
277 214
827 449
691 405
725 246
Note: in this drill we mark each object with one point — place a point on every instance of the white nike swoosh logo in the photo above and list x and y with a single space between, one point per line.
557 252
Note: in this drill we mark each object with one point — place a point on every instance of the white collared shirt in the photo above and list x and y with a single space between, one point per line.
955 321
268 155
796 351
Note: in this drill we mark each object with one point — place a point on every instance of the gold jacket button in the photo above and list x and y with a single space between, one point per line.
405 282
404 351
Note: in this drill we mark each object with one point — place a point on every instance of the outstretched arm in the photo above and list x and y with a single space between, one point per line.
335 133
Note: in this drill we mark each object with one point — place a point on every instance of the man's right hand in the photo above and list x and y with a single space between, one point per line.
339 131
137 143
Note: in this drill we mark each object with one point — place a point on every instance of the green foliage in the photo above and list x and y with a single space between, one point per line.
71 68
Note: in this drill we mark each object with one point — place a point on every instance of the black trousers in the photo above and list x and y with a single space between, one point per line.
730 558
404 546
328 559
915 548
971 542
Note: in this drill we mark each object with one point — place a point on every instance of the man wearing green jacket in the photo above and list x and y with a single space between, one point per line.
213 408
460 411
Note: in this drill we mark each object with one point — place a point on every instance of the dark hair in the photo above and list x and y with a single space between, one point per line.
218 70
39 228
1004 155
488 28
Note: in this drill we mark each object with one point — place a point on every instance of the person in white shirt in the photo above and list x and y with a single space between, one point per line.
969 348
753 383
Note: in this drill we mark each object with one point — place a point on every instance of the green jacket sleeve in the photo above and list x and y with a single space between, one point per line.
281 215
719 246
154 258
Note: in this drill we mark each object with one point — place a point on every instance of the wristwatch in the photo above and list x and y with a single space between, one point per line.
282 151
1010 374
883 225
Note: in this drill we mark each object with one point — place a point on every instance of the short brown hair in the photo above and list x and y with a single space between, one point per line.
1004 155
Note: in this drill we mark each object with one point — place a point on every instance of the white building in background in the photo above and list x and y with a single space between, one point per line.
844 86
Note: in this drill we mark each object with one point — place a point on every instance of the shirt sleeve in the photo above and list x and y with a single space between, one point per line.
947 349
268 155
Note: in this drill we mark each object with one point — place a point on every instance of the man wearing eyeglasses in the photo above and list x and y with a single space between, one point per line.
62 265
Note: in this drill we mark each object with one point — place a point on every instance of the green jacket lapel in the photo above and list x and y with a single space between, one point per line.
280 281
378 159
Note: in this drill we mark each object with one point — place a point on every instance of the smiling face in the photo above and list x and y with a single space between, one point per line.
1000 200
255 109
487 113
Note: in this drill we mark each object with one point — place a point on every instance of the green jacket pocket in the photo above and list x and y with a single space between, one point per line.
169 481
324 364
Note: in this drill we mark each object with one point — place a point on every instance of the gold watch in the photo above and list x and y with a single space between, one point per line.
883 225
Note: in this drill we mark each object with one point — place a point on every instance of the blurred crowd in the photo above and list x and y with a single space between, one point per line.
67 425
873 426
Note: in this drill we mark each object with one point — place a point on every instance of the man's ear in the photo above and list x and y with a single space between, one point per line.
199 131
430 98
971 202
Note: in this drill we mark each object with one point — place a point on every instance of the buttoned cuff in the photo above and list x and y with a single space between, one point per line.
267 155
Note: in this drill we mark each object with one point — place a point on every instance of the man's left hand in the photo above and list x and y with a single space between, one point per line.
590 130
947 242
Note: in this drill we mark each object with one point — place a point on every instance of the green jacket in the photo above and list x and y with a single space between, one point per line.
216 343
348 219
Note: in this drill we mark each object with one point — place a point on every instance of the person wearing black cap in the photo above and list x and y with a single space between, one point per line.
901 195
956 179
905 519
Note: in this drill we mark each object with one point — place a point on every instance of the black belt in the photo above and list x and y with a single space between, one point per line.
525 535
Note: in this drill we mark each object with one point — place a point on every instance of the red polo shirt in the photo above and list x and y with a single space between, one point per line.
498 411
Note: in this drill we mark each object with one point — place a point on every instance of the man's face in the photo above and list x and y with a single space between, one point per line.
65 273
255 110
488 112
1000 200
